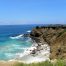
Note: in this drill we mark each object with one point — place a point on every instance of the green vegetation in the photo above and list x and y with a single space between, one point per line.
46 63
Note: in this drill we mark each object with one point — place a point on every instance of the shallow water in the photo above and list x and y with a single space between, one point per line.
10 47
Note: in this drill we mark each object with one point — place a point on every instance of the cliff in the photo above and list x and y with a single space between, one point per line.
54 36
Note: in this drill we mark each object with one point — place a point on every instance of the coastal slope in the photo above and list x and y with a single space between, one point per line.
54 36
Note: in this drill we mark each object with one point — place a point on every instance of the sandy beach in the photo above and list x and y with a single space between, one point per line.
7 63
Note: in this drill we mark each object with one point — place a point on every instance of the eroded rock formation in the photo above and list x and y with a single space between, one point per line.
55 37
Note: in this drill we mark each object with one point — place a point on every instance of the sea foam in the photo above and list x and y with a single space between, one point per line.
29 31
17 37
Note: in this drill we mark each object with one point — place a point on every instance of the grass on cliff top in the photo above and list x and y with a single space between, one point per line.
46 63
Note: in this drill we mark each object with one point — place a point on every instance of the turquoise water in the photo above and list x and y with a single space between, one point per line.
10 47
9 44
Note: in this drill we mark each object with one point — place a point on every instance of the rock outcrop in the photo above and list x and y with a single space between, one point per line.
54 36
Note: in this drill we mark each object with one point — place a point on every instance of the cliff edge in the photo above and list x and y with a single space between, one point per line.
54 36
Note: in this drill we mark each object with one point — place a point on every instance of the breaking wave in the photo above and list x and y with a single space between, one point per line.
17 37
29 31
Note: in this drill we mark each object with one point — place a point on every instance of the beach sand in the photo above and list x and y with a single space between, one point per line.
4 63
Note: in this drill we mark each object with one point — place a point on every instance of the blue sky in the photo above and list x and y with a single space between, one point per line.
32 12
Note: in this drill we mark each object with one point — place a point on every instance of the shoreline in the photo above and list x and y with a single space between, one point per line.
34 54
38 52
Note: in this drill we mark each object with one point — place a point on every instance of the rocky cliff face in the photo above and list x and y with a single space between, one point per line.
54 37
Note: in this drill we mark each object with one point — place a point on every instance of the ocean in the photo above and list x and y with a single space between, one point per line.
12 41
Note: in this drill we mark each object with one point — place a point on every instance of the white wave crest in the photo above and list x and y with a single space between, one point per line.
40 56
17 37
27 51
29 31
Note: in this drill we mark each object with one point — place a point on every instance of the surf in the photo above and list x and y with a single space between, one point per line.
17 37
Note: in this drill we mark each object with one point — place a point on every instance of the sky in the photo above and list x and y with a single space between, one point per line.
32 12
